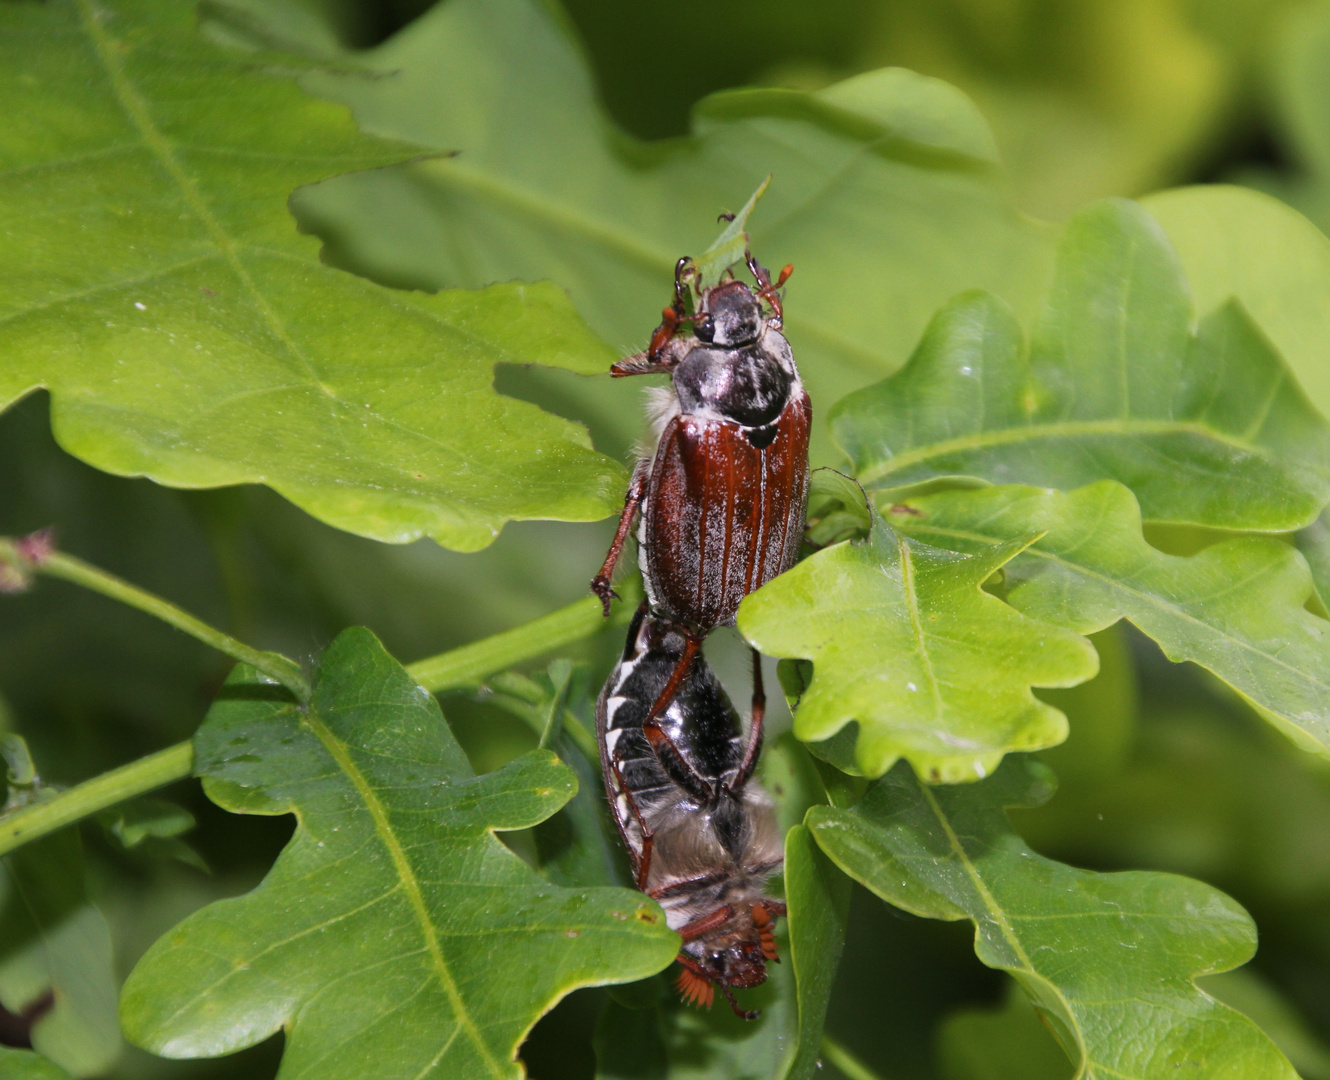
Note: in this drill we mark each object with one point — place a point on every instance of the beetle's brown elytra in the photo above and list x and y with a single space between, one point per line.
723 494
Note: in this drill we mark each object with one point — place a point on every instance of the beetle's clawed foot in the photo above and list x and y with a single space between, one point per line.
601 587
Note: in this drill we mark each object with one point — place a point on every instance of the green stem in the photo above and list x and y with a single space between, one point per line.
462 667
467 666
560 672
128 781
68 568
847 1063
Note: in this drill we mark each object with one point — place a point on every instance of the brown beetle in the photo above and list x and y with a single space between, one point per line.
700 832
724 493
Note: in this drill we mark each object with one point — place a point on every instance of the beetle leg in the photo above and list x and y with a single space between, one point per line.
749 762
765 288
691 644
742 1014
677 888
600 584
703 923
674 763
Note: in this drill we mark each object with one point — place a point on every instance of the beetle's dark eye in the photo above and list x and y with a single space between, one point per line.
704 328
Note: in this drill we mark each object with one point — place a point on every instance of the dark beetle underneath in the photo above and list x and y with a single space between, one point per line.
700 832
724 492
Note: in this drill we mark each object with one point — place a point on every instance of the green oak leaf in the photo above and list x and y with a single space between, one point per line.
905 641
1235 243
1205 427
395 934
885 193
1100 955
731 245
1237 608
55 958
155 283
25 1065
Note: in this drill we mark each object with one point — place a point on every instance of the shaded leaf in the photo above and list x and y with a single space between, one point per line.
717 1045
1007 1043
138 820
153 827
1314 543
905 642
1206 429
819 898
55 957
663 1037
157 286
1237 608
395 933
1098 954
629 1044
579 844
25 1065
884 194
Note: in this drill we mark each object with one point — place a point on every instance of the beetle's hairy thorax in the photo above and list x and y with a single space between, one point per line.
727 481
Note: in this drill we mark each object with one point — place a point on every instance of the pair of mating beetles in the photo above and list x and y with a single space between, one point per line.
720 504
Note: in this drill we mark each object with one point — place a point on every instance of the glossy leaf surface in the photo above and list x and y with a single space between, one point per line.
904 641
1100 955
154 282
395 934
1205 428
1236 608
884 192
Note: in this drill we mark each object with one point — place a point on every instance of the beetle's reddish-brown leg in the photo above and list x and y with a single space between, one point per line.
742 1014
600 584
691 643
765 288
703 923
754 747
674 763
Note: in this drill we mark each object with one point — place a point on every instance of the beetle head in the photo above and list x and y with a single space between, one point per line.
729 315
740 965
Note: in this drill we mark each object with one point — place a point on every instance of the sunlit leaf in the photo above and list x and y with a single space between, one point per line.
1099 955
155 283
1206 428
884 193
395 934
905 642
1237 608
1240 244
